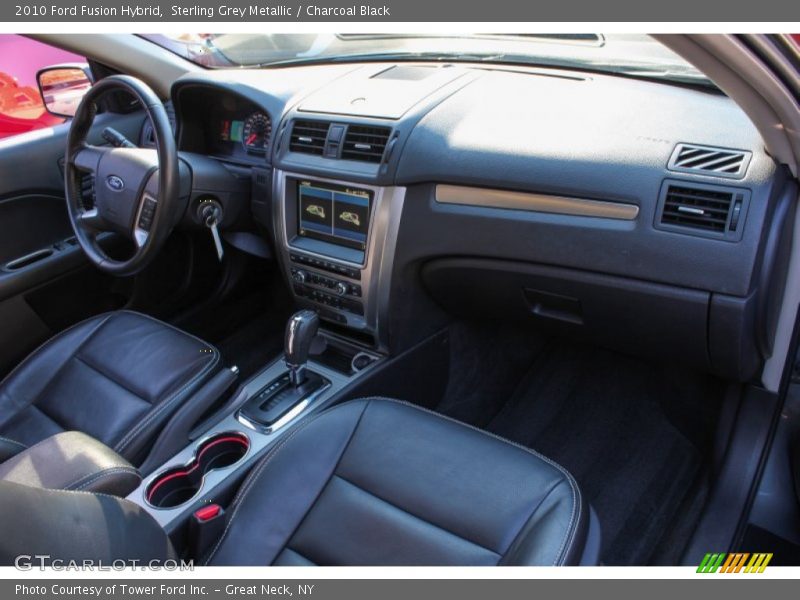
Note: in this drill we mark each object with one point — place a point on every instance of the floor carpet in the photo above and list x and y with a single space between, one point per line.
634 434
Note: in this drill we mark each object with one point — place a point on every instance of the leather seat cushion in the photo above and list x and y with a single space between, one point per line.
116 377
379 482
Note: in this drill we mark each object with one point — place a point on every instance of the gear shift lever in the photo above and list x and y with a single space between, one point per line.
273 404
300 332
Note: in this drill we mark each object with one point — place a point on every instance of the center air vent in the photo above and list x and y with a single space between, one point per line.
365 143
309 137
719 162
703 210
334 140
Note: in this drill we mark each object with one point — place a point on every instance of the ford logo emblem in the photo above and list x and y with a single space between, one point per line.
115 183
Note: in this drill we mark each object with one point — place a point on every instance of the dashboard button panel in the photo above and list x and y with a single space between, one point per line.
329 299
325 265
336 286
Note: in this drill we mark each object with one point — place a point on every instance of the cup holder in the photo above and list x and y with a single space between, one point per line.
175 486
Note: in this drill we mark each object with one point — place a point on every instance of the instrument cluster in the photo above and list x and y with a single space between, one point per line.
224 125
250 133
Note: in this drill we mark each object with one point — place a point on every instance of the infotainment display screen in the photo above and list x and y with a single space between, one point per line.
335 214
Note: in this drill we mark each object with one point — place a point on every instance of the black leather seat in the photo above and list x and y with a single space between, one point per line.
370 482
116 377
378 482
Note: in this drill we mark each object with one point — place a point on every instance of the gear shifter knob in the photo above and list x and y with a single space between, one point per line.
300 332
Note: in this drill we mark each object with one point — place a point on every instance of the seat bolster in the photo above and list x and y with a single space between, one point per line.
555 533
283 487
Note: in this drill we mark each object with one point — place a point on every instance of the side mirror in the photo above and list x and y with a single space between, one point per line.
62 87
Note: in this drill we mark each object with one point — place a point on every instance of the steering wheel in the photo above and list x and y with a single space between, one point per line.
136 190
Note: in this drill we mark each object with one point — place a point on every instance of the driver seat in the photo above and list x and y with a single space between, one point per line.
117 377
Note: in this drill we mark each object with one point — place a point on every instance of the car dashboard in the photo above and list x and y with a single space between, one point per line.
639 215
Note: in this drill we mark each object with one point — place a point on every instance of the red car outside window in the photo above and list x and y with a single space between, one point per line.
21 107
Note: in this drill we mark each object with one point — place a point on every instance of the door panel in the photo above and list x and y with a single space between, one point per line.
46 283
30 223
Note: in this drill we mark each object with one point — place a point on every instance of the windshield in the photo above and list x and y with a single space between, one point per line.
633 55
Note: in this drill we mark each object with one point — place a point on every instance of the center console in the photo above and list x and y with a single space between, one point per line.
335 242
288 389
336 245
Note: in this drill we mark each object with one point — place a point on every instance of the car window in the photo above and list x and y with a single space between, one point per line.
622 54
21 107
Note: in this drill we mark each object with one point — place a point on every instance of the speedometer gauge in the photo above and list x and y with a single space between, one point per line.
256 132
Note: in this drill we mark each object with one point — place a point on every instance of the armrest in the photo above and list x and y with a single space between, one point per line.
72 461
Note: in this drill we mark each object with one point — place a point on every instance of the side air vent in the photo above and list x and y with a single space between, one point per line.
703 210
705 160
365 143
309 137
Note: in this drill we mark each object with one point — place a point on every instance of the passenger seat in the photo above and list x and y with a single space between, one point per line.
368 482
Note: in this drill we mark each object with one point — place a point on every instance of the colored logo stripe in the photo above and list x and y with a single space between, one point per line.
710 563
734 562
758 563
